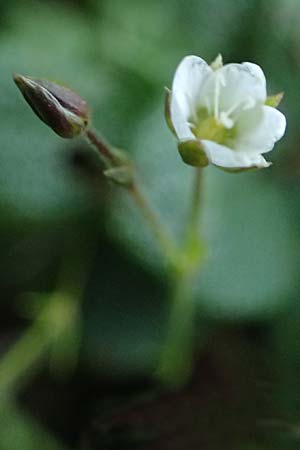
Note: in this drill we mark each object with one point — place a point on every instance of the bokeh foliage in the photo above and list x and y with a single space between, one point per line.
119 56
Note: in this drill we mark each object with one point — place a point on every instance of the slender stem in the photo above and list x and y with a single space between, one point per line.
195 208
21 358
177 356
100 145
176 360
24 356
159 231
48 329
20 431
55 323
193 249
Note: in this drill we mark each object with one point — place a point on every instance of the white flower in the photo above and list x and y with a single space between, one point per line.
221 111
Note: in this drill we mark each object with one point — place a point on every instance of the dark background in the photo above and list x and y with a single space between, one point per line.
85 379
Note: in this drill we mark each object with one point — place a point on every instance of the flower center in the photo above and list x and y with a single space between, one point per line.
209 128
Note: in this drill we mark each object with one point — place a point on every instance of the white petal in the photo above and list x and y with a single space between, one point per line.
189 76
224 157
186 90
243 86
258 129
180 120
246 80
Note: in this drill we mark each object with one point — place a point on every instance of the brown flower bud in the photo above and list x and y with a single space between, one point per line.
57 106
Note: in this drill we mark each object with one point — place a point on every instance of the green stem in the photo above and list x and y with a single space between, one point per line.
20 431
21 359
195 208
103 148
25 355
156 225
162 235
176 361
56 323
193 245
177 356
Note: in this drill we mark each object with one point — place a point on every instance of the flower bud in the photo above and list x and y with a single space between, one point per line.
192 153
57 106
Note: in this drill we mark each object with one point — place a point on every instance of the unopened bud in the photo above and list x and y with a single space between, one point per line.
57 106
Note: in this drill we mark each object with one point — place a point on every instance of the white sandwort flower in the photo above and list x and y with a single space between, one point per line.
220 116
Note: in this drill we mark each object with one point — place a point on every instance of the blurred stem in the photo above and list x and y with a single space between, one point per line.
195 207
194 248
176 362
20 362
23 357
54 322
177 356
162 235
20 431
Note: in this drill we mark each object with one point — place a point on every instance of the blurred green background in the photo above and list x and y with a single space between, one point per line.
83 248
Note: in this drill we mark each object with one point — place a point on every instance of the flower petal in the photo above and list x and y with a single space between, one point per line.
179 119
241 86
243 81
258 129
189 76
226 158
186 90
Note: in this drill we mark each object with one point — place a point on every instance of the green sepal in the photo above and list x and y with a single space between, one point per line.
274 100
168 110
217 63
123 175
192 153
120 157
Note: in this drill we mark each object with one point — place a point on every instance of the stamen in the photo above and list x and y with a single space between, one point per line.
217 96
225 115
193 111
248 103
233 108
226 121
220 81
